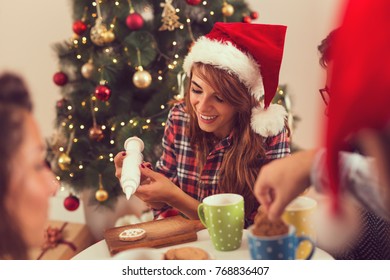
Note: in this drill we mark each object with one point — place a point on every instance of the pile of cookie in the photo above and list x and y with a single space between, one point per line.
186 253
262 226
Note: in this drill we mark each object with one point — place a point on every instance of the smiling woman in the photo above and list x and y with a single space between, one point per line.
225 129
216 105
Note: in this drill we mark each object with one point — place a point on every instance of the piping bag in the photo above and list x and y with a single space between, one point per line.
131 175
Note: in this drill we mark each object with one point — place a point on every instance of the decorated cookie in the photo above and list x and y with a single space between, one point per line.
132 234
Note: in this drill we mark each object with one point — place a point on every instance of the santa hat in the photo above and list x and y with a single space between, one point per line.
360 87
253 52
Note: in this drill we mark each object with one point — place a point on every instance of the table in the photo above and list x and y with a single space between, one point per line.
99 251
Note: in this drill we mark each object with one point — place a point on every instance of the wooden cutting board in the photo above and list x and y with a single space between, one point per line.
159 233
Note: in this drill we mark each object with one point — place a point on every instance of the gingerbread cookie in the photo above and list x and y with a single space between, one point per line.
264 227
132 234
186 253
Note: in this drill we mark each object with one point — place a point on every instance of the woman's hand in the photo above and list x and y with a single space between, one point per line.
118 161
155 187
282 180
160 191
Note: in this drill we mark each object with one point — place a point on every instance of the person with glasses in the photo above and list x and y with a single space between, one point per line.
280 181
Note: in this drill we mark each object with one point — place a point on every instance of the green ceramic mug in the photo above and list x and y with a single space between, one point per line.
223 216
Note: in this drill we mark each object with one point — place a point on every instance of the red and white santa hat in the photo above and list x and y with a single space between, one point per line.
253 52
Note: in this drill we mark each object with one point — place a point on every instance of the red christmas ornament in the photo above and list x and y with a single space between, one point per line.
254 15
193 2
61 103
247 19
102 92
60 78
79 27
134 21
71 203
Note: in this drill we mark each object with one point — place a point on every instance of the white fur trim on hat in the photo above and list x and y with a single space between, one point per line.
227 57
269 122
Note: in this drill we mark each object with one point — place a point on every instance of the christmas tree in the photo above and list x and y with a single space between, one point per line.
118 74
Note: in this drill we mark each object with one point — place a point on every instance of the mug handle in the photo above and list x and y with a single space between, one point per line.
313 245
201 214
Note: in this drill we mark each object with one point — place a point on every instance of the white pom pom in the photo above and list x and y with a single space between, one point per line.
269 122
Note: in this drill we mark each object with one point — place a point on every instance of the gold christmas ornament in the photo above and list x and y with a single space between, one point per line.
227 10
87 69
98 34
96 133
101 195
108 36
64 161
142 78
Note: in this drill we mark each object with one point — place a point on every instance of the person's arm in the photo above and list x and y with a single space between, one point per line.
161 189
281 180
358 176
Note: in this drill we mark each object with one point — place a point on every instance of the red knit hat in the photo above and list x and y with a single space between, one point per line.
253 52
360 87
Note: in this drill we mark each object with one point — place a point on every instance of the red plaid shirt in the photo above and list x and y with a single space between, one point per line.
178 161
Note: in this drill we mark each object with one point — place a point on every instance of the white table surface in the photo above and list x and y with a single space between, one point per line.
99 251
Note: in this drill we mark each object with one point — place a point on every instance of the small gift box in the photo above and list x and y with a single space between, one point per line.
63 241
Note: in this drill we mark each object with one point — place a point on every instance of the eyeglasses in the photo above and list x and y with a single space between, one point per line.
325 94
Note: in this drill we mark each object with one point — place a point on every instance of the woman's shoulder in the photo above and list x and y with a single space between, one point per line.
178 111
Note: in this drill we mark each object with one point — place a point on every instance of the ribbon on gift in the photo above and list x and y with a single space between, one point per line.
54 237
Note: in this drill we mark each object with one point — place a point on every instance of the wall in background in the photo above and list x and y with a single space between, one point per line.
30 28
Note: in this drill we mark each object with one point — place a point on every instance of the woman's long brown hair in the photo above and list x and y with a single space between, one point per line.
241 162
12 244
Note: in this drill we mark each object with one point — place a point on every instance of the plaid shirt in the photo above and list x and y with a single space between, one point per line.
178 161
